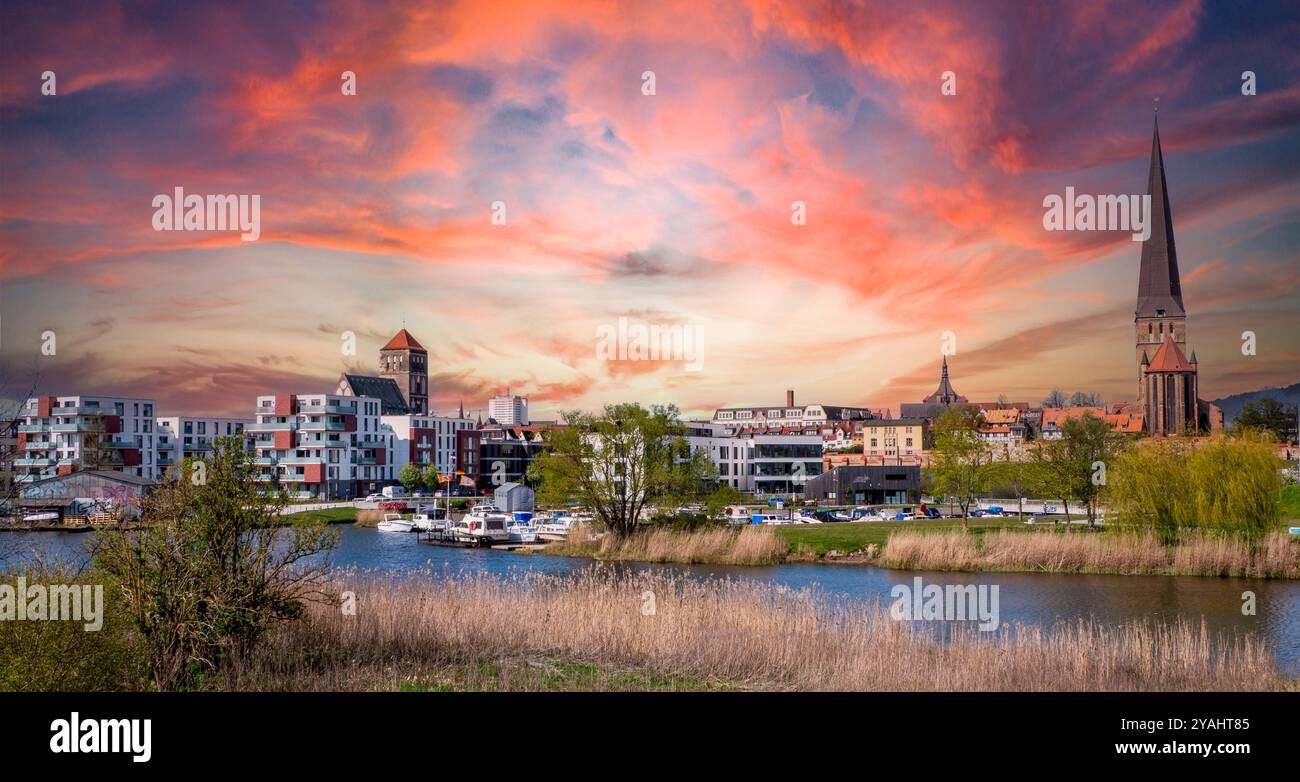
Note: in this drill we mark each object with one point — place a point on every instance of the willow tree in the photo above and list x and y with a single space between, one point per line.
620 462
1224 484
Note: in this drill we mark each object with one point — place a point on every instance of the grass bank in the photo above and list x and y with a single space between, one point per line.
341 515
600 629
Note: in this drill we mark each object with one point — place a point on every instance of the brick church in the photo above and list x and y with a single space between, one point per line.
1167 378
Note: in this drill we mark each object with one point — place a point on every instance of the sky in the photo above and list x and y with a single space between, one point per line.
924 210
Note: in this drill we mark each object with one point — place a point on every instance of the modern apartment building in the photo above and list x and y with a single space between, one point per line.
783 463
181 437
426 439
728 451
324 446
508 410
61 434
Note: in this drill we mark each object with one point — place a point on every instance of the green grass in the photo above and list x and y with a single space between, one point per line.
330 515
1289 502
817 539
548 674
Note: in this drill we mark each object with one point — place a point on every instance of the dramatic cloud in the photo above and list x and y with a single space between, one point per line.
923 210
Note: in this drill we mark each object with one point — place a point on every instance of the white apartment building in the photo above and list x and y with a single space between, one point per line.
60 434
426 439
776 463
324 446
181 437
728 452
508 410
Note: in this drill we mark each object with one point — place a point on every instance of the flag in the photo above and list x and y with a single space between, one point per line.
464 481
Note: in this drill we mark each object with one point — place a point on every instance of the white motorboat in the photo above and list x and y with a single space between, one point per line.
803 517
393 522
555 528
425 522
483 525
521 533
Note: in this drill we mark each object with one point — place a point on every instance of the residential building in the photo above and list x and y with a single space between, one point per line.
507 410
61 434
324 446
788 415
728 451
783 463
426 440
182 437
495 455
896 441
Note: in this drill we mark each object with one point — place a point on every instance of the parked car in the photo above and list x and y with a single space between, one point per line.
933 513
374 498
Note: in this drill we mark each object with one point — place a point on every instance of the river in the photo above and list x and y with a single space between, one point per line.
1029 598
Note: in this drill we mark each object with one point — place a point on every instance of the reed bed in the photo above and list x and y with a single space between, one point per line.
748 636
749 545
1276 556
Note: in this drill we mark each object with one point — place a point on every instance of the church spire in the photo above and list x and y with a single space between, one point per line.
1159 291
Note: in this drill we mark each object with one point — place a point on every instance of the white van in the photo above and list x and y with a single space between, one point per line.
394 492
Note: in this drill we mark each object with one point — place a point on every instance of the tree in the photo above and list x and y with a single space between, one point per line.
1269 415
1017 477
620 462
429 478
720 498
411 477
1055 398
1228 484
959 464
1085 399
207 570
1074 467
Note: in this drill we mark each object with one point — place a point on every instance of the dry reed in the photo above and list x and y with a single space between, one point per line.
1276 556
749 545
747 635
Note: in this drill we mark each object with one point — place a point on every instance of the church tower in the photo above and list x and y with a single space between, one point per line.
407 362
1159 315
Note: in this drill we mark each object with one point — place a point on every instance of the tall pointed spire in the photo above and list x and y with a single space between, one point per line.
945 394
1159 291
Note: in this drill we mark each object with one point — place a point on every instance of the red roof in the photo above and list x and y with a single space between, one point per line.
403 340
1169 358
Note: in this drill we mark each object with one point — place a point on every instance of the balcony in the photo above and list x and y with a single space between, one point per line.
327 410
317 442
322 426
40 445
80 426
270 461
35 462
83 411
273 426
33 428
117 443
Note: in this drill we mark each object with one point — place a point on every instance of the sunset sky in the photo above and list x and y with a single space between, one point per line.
924 210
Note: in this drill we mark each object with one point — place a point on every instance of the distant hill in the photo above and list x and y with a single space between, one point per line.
1231 405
